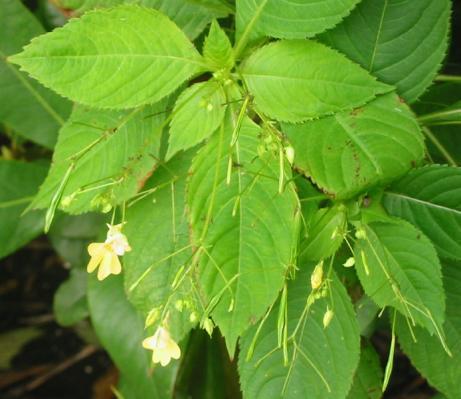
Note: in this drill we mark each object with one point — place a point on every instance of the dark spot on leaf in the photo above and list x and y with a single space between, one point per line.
356 111
366 202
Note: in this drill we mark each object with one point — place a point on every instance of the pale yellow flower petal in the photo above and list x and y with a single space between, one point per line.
163 347
156 356
95 248
96 251
115 266
173 349
149 342
105 268
165 358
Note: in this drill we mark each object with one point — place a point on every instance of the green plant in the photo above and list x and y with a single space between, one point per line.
278 188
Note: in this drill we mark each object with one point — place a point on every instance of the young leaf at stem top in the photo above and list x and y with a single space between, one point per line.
217 49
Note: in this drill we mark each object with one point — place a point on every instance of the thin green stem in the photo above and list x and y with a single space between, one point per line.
439 146
448 78
439 115
16 202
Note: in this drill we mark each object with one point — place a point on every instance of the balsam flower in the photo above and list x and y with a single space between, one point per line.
163 347
105 254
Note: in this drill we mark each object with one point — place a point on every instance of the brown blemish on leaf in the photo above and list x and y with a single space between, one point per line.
356 111
143 180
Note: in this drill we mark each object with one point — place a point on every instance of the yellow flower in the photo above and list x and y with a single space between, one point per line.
163 347
105 254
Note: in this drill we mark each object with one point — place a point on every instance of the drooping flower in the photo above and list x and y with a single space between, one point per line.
105 254
163 347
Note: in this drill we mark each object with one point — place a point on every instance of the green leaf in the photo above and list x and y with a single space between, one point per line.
246 231
309 197
325 362
350 152
435 108
206 371
427 355
325 233
439 96
102 61
290 19
158 233
217 49
109 155
368 376
70 236
19 182
398 266
198 112
27 107
70 303
121 332
403 43
192 16
430 198
298 80
366 312
13 341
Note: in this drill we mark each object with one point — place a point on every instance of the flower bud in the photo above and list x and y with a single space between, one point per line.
360 234
317 276
208 326
179 305
152 317
327 317
290 154
349 262
193 317
67 200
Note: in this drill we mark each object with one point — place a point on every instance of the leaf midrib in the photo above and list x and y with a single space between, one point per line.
424 203
378 35
110 55
379 87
